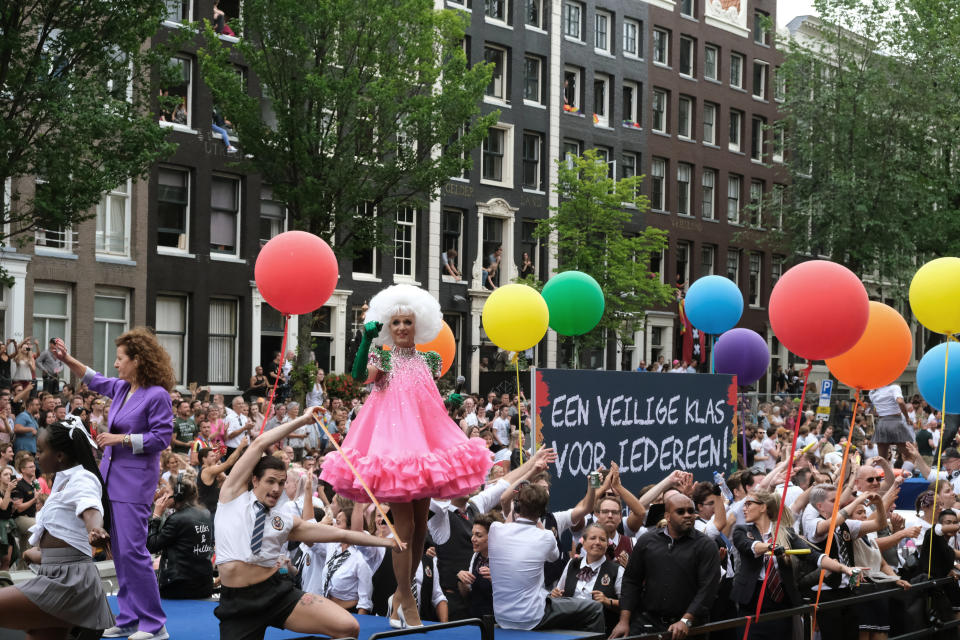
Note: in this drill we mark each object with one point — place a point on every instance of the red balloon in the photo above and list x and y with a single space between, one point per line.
296 272
819 309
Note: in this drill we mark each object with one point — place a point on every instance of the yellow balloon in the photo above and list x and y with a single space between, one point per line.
935 295
515 317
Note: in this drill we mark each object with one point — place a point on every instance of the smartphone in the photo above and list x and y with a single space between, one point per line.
595 480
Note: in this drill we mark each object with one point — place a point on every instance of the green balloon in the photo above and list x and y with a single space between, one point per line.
575 301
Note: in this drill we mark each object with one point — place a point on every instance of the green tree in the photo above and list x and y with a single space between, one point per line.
871 125
369 105
74 106
592 230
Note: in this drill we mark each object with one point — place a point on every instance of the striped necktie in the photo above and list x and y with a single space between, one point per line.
256 540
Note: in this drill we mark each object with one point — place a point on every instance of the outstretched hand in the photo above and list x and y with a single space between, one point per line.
372 329
59 350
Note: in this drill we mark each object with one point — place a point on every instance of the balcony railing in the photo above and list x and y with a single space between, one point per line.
56 239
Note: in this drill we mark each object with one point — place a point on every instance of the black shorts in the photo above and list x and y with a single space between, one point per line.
245 613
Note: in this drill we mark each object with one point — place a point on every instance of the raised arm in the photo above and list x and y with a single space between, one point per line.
76 367
311 532
221 467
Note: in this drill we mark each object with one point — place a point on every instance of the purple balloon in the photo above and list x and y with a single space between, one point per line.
743 353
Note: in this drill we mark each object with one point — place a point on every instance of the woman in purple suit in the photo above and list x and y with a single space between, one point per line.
140 427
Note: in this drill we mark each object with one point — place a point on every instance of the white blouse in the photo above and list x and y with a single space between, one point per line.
234 523
74 491
353 579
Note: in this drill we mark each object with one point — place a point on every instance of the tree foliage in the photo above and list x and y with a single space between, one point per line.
359 97
74 105
872 126
590 231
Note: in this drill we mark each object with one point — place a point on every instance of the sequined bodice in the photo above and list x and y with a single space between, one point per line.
401 367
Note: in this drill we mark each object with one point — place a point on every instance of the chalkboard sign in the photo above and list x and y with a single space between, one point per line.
648 423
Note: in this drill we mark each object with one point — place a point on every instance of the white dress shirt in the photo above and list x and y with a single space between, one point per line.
439 527
235 421
353 579
885 398
234 523
584 589
74 491
436 596
517 551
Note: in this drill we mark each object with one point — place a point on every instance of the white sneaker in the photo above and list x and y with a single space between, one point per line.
232 149
119 632
143 635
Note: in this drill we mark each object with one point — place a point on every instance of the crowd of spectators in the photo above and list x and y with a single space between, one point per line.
619 559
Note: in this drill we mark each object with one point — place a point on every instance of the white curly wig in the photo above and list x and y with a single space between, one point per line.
406 299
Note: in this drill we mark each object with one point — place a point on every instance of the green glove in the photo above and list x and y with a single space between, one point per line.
370 331
456 399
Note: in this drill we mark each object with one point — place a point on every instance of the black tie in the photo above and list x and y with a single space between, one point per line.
335 563
256 540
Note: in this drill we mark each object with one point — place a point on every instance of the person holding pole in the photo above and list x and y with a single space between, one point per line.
403 447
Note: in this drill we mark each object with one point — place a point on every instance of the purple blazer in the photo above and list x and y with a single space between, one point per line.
131 474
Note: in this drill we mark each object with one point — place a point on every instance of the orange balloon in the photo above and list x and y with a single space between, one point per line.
881 354
444 344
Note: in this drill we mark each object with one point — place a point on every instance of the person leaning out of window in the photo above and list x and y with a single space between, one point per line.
184 540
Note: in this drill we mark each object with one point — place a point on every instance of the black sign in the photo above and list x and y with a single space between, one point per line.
648 423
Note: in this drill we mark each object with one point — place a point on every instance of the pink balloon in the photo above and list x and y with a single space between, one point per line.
296 272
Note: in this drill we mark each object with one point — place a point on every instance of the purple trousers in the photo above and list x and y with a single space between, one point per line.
139 597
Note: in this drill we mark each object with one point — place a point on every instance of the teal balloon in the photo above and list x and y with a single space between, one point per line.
575 301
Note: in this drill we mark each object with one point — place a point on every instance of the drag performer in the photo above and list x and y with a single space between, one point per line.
403 443
252 537
66 592
140 428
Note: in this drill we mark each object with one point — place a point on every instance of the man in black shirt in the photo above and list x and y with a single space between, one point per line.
672 577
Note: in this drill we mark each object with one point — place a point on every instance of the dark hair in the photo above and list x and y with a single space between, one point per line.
484 520
73 443
532 501
703 491
946 512
266 463
202 453
541 476
188 492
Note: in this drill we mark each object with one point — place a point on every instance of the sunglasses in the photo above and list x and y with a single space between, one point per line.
752 502
873 479
689 511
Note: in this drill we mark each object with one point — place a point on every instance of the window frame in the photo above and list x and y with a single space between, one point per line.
504 4
567 20
235 342
754 279
538 161
108 344
446 234
408 227
602 119
369 211
101 237
765 71
708 193
503 80
733 203
660 54
56 289
688 47
605 47
630 112
757 138
707 48
506 156
685 133
183 245
576 108
710 124
186 62
733 252
659 122
683 188
218 254
711 250
737 67
538 25
735 137
658 187
637 50
183 299
527 59
267 190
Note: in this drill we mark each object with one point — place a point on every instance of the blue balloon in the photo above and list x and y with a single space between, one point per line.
743 353
714 304
930 376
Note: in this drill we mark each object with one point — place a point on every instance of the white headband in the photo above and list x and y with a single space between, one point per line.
73 423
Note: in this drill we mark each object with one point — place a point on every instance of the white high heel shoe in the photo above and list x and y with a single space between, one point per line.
403 620
396 624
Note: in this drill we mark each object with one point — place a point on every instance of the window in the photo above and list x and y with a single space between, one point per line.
492 240
172 331
497 56
736 70
571 150
497 156
628 165
178 105
606 154
710 123
573 20
733 265
779 86
532 79
688 47
404 242
661 46
709 195
760 79
760 33
632 38
756 139
532 165
756 266
173 208
707 257
177 11
776 269
683 261
572 89
658 171
631 99
736 124
601 100
533 17
711 62
756 203
686 8
49 233
656 266
684 176
530 243
51 314
452 234
273 216
602 22
733 199
685 117
465 171
660 105
495 10
109 322
224 215
776 203
366 262
222 342
113 223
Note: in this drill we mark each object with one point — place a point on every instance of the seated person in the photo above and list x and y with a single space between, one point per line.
593 576
518 551
184 540
339 571
474 582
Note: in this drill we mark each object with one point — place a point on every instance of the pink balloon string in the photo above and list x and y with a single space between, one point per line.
783 499
273 392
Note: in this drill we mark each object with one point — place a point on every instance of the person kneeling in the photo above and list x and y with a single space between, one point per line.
593 576
517 551
252 535
184 541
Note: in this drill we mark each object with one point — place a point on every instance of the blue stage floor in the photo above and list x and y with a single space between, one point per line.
194 620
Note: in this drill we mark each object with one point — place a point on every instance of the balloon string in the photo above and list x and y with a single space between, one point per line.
519 413
273 392
936 482
783 499
836 504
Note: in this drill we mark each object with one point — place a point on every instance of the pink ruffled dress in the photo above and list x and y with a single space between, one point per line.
402 443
